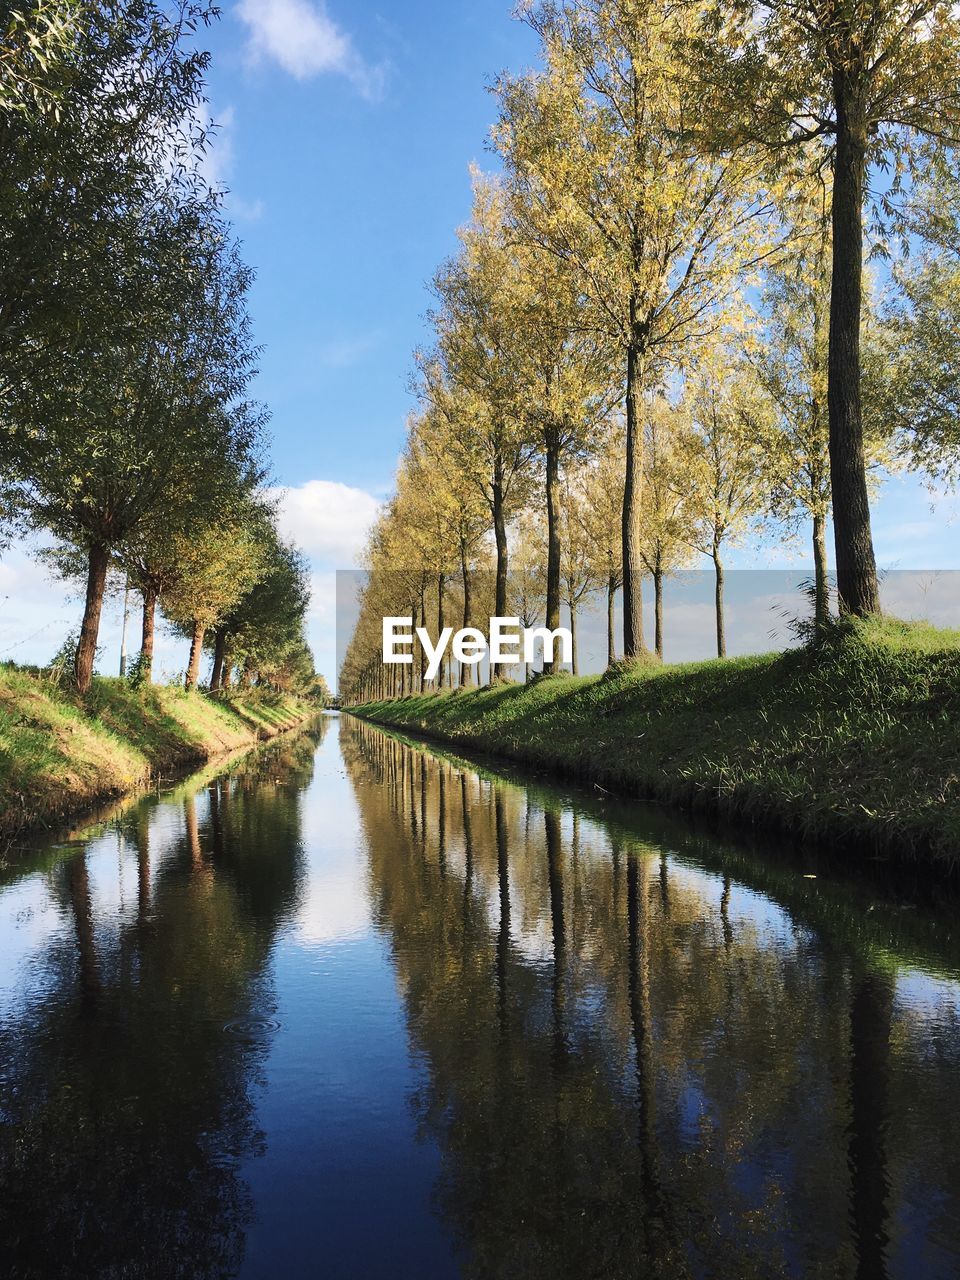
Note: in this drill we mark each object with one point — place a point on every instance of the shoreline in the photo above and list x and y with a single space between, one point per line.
63 756
854 743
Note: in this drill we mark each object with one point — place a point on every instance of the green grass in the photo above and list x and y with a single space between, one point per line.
60 753
854 740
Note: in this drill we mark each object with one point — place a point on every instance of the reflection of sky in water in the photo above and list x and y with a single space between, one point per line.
378 1037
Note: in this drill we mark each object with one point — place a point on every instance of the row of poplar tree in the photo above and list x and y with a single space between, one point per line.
663 326
127 427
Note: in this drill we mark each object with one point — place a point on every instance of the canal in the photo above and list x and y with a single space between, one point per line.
354 1007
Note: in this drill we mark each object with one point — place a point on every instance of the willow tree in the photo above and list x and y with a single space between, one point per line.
146 409
860 85
264 629
606 179
218 566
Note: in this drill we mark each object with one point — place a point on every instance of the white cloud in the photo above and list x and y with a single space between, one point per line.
217 167
328 520
303 39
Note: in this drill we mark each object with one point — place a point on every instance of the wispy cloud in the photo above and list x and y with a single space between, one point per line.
217 167
342 353
302 38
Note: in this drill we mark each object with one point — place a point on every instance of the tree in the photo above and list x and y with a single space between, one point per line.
600 516
217 568
917 357
528 583
144 409
263 631
100 110
472 378
605 178
665 542
578 574
37 40
859 84
723 462
464 514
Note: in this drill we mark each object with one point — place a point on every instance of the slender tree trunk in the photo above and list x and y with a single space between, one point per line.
633 641
821 585
196 649
658 609
123 632
500 537
574 665
98 560
857 588
553 537
466 668
721 629
440 673
226 680
423 623
219 659
150 595
611 631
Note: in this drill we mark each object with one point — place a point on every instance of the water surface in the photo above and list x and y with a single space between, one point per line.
356 1008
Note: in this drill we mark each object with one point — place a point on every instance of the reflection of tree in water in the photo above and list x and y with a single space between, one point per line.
127 1092
626 1074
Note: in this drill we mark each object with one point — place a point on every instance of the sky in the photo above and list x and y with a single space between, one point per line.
346 132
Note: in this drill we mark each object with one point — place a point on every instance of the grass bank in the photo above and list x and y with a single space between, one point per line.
855 740
61 754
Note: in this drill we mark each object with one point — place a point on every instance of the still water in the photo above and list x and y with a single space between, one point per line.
354 1008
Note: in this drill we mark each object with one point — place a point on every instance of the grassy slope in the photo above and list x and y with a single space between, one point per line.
59 754
857 740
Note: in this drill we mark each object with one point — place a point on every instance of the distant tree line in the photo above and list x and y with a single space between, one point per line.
127 426
661 328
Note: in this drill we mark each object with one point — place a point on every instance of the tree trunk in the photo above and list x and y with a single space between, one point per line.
658 610
423 623
440 625
633 642
226 680
466 668
553 538
97 561
611 633
246 676
721 629
123 632
821 586
150 595
196 648
219 659
857 588
573 639
500 537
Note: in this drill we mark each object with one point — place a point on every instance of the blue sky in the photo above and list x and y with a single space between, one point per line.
346 134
